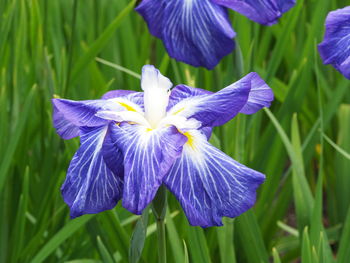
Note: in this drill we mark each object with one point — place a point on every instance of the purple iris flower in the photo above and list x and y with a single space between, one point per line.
199 32
335 48
133 142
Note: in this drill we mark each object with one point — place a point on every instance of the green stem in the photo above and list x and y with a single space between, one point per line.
159 205
161 241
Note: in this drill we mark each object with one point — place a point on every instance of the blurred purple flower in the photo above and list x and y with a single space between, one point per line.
133 142
199 32
335 48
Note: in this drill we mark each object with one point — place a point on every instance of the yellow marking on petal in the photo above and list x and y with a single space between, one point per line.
126 106
178 111
149 129
190 140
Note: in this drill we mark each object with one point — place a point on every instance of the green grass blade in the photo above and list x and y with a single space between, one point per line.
106 256
62 235
16 135
99 43
344 244
335 146
198 245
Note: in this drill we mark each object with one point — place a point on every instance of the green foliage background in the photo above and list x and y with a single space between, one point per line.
59 48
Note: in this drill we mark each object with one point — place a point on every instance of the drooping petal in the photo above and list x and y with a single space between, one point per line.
266 12
90 186
197 32
153 11
209 184
217 108
112 156
64 128
148 156
335 48
260 95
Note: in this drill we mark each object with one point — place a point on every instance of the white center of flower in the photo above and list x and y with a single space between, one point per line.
156 95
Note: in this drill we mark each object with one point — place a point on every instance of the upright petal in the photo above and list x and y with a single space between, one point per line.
335 48
156 94
90 186
266 12
209 184
197 32
217 108
148 156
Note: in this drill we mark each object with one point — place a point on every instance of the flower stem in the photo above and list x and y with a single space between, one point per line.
161 241
159 205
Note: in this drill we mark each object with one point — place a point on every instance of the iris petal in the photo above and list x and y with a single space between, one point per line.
217 108
335 48
260 95
90 186
82 113
209 184
181 92
64 127
197 32
128 95
153 11
117 93
265 12
148 156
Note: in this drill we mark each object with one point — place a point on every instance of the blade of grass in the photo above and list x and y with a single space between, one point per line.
20 125
99 43
62 235
335 146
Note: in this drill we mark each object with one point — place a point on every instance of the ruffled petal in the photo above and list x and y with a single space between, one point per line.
266 12
197 32
209 184
148 156
217 108
335 48
90 186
